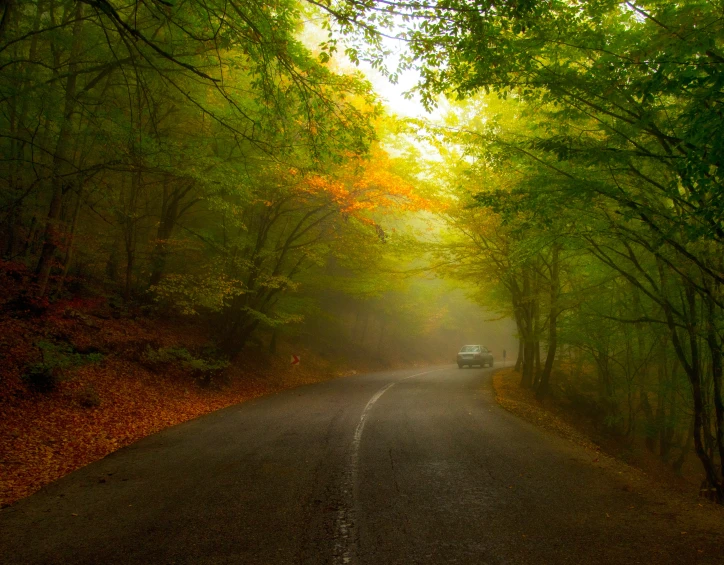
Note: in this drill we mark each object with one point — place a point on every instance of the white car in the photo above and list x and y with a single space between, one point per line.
474 355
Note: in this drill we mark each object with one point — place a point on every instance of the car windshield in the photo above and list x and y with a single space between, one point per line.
470 349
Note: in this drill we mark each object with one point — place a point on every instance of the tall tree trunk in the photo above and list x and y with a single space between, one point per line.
526 301
715 351
160 251
234 341
605 384
545 378
528 364
61 157
665 403
515 299
17 238
692 366
519 357
170 213
8 8
535 334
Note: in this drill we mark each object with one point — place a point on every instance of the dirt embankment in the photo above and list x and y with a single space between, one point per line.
637 471
523 403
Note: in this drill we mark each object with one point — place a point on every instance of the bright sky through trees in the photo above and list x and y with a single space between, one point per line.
392 94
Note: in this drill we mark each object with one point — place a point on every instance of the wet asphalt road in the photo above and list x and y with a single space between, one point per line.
417 466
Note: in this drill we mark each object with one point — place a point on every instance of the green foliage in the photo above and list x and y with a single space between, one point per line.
177 167
56 358
209 364
586 180
166 355
161 141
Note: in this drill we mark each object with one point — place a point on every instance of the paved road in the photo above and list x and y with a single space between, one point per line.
406 467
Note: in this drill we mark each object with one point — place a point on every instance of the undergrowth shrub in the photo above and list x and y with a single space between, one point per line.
602 413
56 358
206 368
157 358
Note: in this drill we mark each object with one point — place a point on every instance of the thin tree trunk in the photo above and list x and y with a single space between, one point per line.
71 240
665 400
643 376
685 450
130 235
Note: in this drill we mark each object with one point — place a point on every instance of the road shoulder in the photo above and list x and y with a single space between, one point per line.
693 514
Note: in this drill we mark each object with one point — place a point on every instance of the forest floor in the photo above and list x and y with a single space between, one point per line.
639 468
118 375
100 407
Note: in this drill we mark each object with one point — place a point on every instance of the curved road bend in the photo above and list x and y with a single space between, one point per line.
406 467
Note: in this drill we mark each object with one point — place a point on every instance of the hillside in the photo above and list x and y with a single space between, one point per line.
83 377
